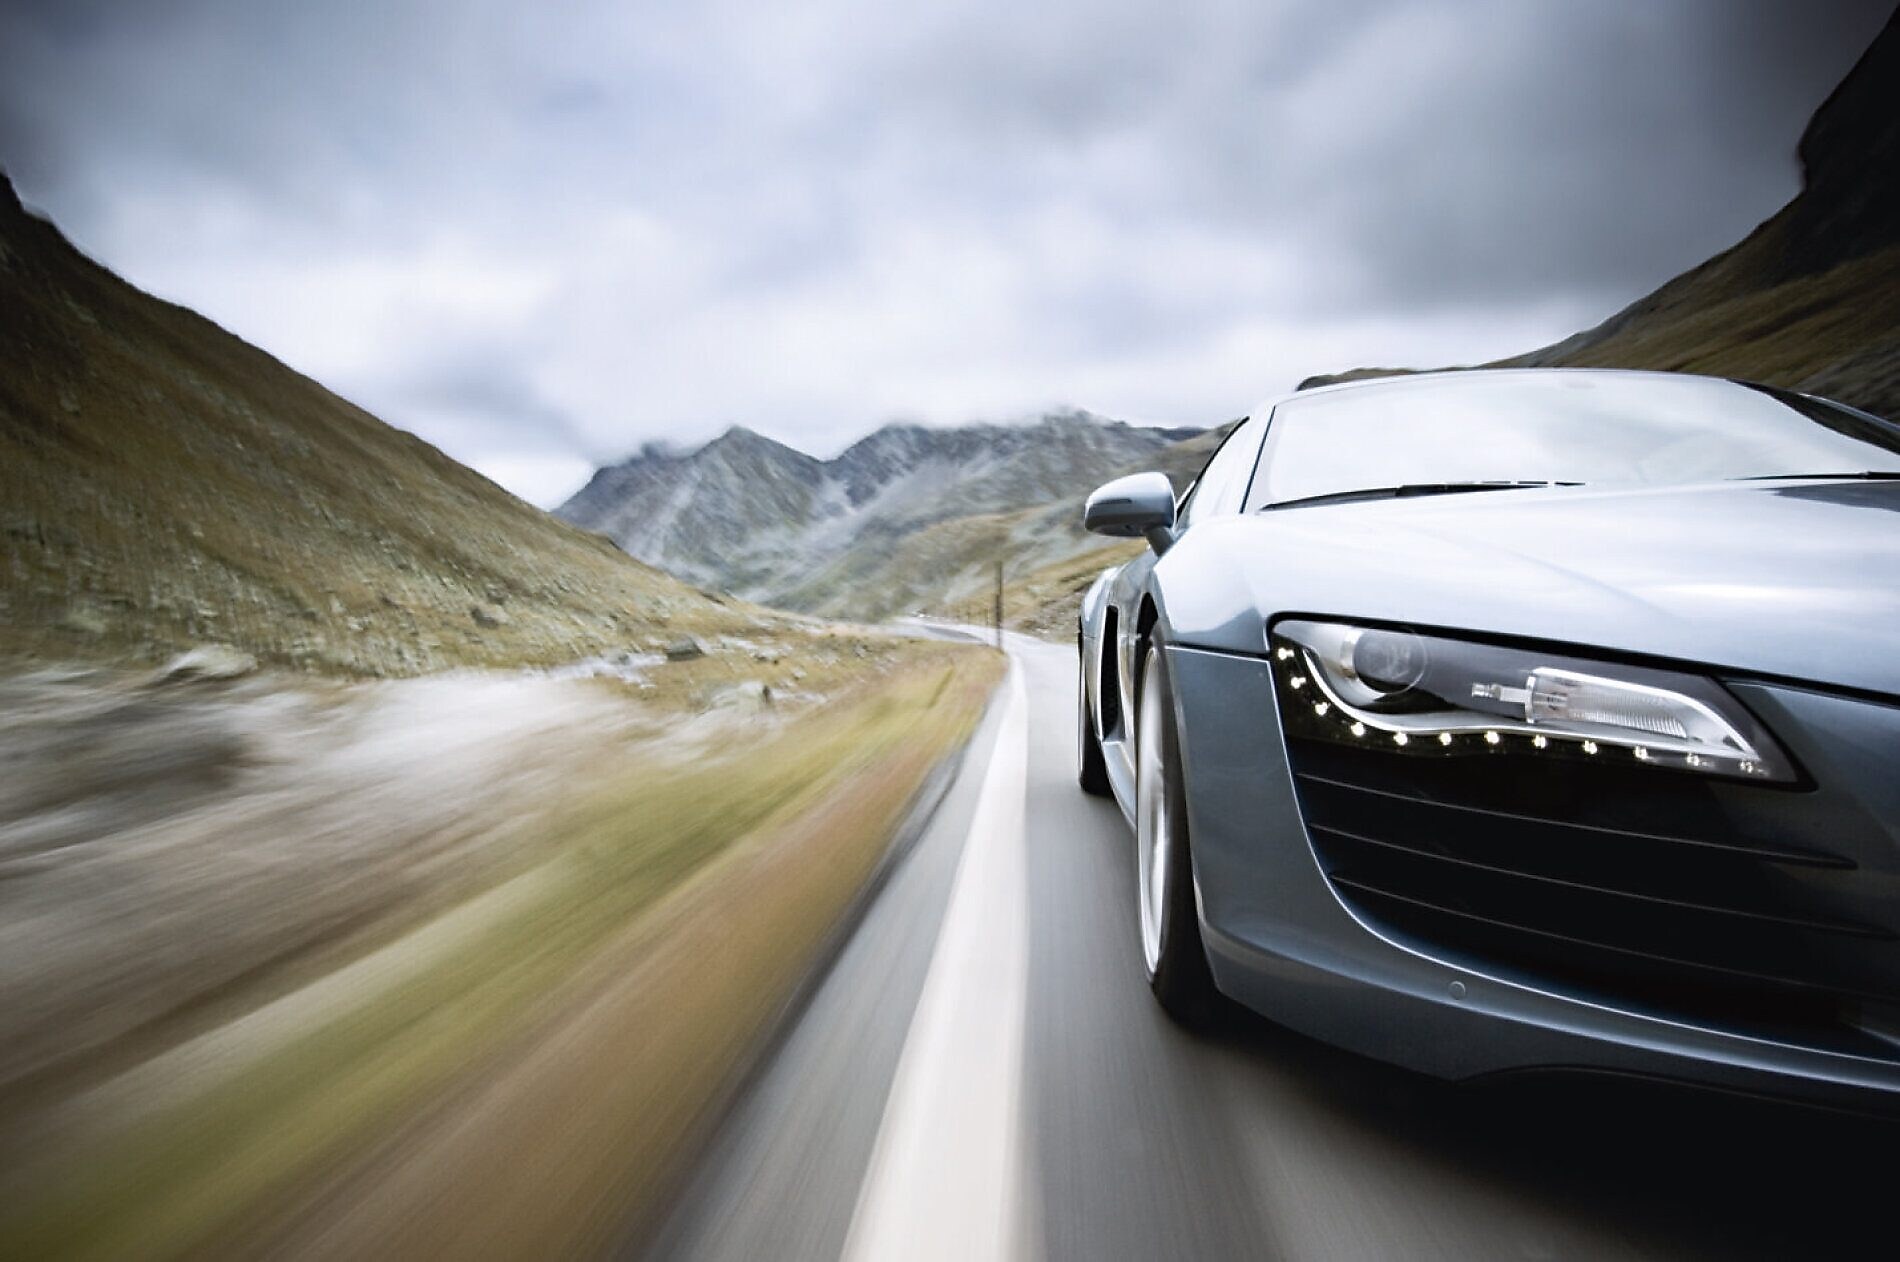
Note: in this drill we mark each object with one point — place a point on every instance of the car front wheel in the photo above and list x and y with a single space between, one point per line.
1171 947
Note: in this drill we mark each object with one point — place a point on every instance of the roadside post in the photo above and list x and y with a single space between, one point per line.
998 612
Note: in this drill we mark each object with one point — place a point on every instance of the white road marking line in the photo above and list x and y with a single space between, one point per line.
944 1178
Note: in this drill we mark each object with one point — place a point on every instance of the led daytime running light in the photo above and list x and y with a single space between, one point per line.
1476 699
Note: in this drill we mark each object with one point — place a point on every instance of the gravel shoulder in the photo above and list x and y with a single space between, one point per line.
260 934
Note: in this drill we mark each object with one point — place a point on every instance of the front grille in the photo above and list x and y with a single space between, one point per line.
1648 890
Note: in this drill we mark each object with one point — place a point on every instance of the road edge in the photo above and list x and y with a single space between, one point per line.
640 1238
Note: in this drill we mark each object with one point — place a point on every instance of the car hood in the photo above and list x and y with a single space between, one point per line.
1797 580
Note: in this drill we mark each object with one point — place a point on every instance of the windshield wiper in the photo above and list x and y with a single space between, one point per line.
1407 490
1861 475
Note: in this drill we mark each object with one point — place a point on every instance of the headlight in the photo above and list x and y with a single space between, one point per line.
1427 694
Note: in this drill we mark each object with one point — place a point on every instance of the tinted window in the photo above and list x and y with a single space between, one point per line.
1555 426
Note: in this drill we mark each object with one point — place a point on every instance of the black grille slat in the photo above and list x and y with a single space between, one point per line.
1616 862
1737 974
1847 927
1652 890
1766 952
1772 854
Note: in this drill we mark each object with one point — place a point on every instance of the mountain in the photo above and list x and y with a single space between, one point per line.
722 515
908 516
1809 300
164 484
1044 596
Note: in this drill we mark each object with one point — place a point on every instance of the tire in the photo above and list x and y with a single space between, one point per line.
1091 767
1172 953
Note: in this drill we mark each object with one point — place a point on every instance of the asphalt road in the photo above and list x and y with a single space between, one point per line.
982 1073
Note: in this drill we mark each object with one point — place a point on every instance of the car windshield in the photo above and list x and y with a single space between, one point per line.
1535 427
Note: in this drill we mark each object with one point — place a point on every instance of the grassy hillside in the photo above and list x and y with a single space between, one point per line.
1834 333
1048 559
949 567
164 484
1811 299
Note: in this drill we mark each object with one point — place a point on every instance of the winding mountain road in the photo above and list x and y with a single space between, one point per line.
982 1073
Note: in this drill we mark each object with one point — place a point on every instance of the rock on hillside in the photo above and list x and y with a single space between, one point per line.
1811 299
164 485
755 517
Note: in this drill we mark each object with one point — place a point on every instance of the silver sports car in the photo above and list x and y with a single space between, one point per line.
1484 721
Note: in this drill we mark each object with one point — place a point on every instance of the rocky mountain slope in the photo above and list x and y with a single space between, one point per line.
164 484
1811 299
1047 559
908 517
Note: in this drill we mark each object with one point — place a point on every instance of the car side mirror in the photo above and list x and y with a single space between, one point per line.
1140 505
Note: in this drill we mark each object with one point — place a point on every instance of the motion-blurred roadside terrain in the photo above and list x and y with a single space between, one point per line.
267 941
360 823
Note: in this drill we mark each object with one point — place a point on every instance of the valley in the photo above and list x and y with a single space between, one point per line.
393 868
908 518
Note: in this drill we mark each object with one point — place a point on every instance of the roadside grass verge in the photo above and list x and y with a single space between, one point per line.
1046 600
529 1088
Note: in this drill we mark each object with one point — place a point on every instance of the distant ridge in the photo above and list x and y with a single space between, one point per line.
906 516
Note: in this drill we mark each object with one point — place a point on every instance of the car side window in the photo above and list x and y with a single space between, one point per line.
1222 485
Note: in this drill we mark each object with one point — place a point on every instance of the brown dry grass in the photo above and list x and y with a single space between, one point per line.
526 1091
1045 601
1835 332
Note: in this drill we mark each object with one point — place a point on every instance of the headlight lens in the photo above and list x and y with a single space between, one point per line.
1428 694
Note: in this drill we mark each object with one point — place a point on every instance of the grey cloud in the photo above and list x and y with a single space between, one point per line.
1606 158
526 231
499 409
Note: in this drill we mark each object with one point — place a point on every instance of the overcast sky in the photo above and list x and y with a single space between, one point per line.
540 235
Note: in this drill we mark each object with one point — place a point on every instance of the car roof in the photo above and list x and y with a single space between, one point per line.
1400 380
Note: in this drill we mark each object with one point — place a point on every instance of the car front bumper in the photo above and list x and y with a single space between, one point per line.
1282 941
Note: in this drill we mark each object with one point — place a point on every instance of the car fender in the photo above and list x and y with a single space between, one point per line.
1089 645
1203 597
